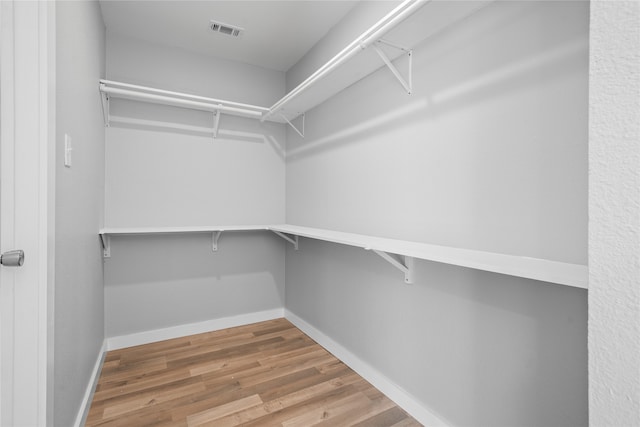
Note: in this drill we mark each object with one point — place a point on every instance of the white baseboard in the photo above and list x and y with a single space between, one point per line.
366 371
91 386
147 337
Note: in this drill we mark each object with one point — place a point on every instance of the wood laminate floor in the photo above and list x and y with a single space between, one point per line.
265 374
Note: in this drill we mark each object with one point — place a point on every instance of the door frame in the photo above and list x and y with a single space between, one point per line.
27 208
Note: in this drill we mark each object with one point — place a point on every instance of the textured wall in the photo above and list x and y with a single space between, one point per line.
79 291
614 214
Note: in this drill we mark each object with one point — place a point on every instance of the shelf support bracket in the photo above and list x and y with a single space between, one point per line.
407 85
301 133
216 122
293 241
407 267
106 245
105 109
214 240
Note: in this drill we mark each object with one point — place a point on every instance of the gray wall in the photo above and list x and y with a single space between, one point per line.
489 153
155 282
163 178
475 348
79 302
160 177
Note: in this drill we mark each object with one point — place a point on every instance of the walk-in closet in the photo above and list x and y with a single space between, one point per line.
292 213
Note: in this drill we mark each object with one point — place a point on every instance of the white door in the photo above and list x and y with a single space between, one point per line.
26 126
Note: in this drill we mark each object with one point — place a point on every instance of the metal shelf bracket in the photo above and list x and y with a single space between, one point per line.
106 245
214 240
301 133
293 241
216 122
407 85
407 267
106 114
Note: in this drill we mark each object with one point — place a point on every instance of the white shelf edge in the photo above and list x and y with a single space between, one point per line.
562 273
372 34
278 111
113 89
395 18
105 234
112 231
186 96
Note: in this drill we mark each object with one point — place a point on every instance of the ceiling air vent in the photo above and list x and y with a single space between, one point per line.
229 30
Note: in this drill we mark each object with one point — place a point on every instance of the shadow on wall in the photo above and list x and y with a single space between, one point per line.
130 114
452 70
154 282
171 258
520 346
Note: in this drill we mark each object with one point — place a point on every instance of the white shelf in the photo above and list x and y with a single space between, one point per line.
422 20
215 230
179 230
111 89
532 268
575 275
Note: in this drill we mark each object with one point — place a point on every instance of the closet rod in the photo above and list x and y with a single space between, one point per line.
182 95
177 102
378 30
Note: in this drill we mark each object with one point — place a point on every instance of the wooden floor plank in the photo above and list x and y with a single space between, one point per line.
356 415
278 406
407 422
328 411
213 414
129 387
264 374
150 399
312 403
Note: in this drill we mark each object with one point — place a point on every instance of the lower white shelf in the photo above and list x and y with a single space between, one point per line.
215 230
562 273
532 268
180 230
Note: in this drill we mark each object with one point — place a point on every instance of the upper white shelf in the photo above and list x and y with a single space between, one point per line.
419 19
178 99
110 89
532 268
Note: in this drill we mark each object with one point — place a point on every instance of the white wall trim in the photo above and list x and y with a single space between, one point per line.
27 138
91 386
146 337
394 392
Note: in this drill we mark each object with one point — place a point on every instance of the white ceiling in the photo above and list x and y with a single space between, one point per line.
277 33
